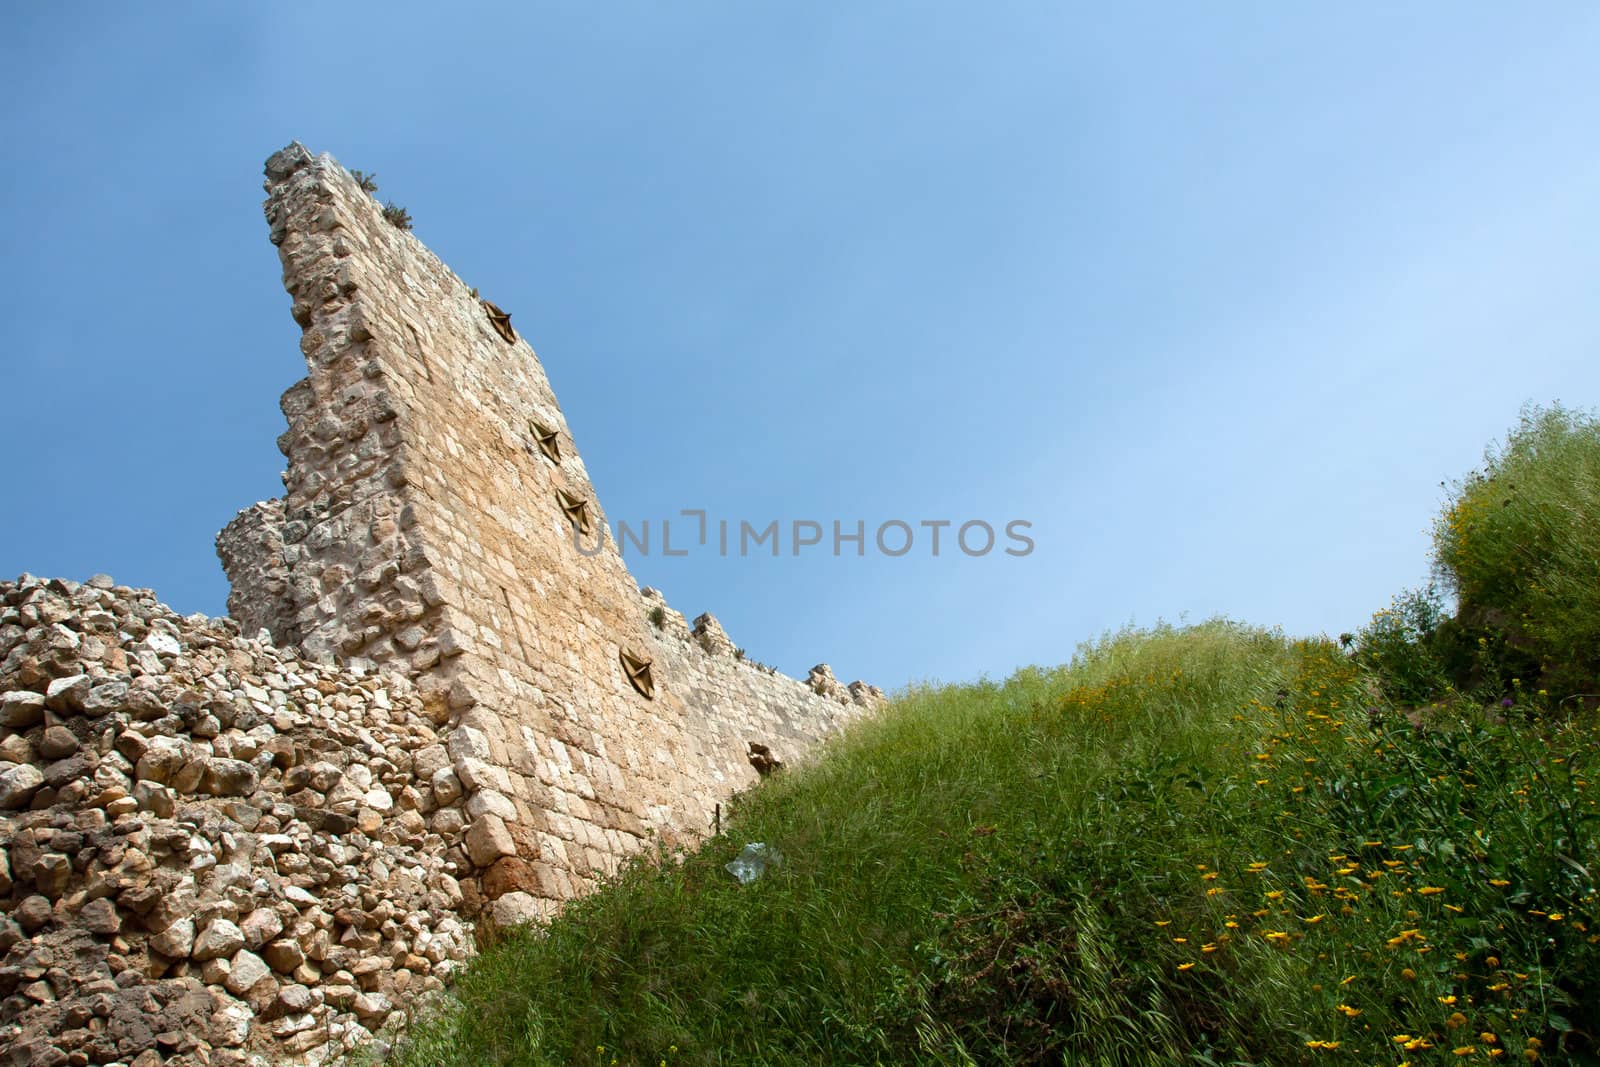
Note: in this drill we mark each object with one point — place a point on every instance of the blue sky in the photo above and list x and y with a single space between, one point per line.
1212 296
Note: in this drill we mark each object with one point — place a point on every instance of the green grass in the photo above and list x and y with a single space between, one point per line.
1200 845
1190 845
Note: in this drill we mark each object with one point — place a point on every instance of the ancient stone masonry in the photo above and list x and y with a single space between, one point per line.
427 530
236 841
212 850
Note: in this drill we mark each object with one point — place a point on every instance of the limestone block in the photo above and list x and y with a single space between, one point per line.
488 840
516 908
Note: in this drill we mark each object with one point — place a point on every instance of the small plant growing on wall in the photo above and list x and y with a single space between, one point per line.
658 616
397 215
368 182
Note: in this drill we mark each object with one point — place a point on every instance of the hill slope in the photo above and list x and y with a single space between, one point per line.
1208 844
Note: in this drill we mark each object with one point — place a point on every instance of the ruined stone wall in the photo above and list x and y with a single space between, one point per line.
215 850
748 718
433 487
212 850
251 547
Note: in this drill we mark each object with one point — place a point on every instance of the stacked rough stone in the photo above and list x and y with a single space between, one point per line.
211 849
433 491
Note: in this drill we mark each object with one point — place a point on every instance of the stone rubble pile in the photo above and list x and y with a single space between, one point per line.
212 851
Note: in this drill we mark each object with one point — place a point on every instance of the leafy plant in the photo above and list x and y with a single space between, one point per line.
1519 545
397 215
367 182
658 616
1399 647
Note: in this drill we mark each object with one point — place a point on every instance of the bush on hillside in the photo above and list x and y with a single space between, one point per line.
1399 647
1519 545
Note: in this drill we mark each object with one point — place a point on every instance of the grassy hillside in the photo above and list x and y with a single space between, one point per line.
1210 844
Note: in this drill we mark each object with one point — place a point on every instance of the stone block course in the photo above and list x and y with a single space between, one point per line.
427 529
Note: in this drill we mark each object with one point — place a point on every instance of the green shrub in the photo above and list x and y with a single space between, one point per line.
1519 545
1399 647
397 215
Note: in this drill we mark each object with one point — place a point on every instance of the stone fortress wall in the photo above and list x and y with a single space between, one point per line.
433 487
223 846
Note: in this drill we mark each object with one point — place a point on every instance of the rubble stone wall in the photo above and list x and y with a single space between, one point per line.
212 850
433 492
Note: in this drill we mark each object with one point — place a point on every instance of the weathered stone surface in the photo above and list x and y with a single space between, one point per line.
488 840
67 695
57 742
20 709
228 778
163 759
711 636
217 939
246 971
32 913
18 785
260 926
284 955
100 917
516 908
105 698
177 940
230 1027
